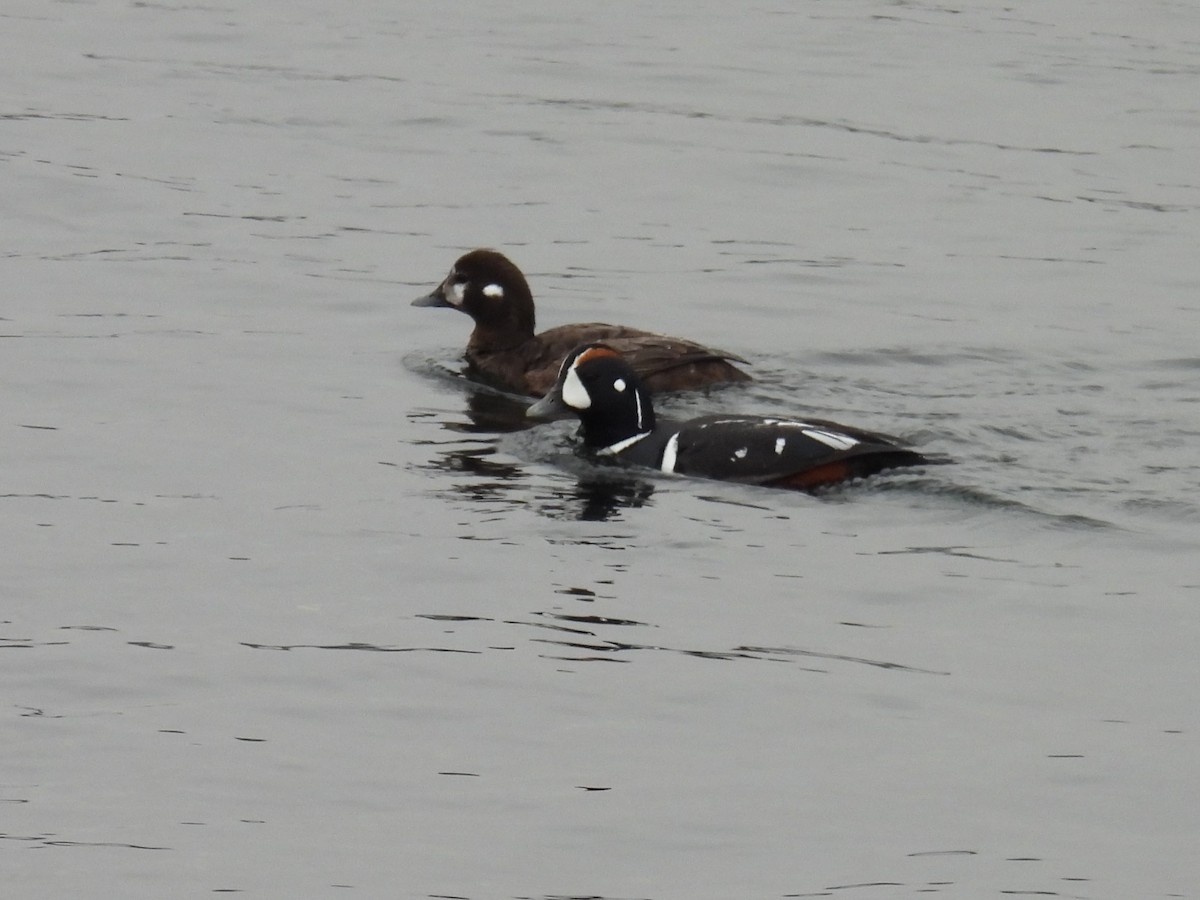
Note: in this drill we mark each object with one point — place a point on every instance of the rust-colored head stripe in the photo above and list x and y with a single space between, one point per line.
600 351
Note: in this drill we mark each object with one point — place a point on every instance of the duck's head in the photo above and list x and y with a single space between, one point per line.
487 286
596 384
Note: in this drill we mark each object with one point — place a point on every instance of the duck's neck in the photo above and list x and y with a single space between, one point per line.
616 428
489 339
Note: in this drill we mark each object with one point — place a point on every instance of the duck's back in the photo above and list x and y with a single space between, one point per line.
781 452
663 362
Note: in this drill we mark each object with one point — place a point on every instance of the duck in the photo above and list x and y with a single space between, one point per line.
505 351
617 421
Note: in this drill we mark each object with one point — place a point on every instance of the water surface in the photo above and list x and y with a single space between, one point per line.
293 611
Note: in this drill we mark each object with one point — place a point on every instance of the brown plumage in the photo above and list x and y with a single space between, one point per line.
505 351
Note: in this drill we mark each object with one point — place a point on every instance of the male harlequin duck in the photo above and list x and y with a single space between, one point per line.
617 420
505 351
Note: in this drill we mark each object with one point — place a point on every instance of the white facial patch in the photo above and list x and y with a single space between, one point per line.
739 453
459 290
574 394
780 443
669 453
493 290
831 438
619 385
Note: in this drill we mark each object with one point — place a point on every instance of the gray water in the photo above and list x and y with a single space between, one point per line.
291 611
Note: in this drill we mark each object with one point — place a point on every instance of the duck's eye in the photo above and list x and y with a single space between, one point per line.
493 290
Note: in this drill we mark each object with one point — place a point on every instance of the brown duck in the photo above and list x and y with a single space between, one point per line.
504 350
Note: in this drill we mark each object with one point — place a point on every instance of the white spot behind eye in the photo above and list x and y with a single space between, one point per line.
619 384
493 290
574 394
739 453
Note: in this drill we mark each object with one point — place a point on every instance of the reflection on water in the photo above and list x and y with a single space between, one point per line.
494 412
594 497
484 472
600 499
489 411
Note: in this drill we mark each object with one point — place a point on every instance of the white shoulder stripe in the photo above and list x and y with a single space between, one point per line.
622 446
669 453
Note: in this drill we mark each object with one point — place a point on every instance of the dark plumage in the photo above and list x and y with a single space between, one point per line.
617 420
504 350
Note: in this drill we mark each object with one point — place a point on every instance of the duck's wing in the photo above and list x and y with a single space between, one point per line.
785 453
667 363
664 363
650 354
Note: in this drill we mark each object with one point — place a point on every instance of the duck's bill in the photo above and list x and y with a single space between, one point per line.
549 407
436 298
